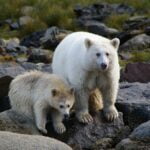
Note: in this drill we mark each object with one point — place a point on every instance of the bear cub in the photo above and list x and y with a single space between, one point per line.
35 94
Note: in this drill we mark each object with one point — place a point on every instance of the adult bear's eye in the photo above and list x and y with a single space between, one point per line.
107 54
98 54
61 106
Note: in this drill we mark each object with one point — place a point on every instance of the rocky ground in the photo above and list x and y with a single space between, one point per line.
34 52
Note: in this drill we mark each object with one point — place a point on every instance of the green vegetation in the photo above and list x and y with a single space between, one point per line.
58 13
137 56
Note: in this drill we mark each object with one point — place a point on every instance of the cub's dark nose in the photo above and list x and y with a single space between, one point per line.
66 116
104 66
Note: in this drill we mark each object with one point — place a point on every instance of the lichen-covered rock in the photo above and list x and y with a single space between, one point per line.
13 141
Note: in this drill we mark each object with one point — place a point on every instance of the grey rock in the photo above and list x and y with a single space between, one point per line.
37 55
136 22
15 122
46 39
141 133
128 144
7 72
134 101
139 139
14 141
24 20
138 42
136 72
100 28
27 10
14 26
100 11
84 136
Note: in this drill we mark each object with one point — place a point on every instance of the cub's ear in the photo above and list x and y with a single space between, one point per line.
54 92
72 91
88 43
115 42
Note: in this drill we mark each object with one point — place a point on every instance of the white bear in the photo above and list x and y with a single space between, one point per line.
35 94
88 61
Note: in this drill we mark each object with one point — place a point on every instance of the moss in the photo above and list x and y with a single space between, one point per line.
60 13
116 21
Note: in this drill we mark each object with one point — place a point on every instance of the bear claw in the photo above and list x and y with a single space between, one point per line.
60 128
111 113
85 118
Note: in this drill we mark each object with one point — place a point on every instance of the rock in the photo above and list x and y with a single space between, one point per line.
24 20
84 136
14 26
14 141
46 39
136 72
7 72
139 139
103 143
14 122
142 42
37 55
27 10
136 22
128 144
141 133
52 38
33 40
10 70
134 101
100 28
100 11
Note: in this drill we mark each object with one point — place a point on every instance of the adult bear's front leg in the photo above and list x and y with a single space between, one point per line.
82 106
109 93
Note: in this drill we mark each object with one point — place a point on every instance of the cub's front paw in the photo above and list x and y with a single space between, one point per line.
60 128
42 129
110 113
84 117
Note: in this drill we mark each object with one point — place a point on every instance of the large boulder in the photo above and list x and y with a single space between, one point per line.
136 72
13 141
139 139
82 136
134 101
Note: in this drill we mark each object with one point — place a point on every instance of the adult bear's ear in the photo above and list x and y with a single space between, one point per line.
54 92
88 43
115 42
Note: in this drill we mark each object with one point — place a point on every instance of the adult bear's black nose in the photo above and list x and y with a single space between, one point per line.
104 66
66 116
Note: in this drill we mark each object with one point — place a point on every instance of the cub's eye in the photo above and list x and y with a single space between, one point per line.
98 54
68 106
107 54
61 106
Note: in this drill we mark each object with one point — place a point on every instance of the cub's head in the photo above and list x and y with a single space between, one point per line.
100 55
63 100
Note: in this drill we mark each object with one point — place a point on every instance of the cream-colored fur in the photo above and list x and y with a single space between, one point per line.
88 61
35 93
